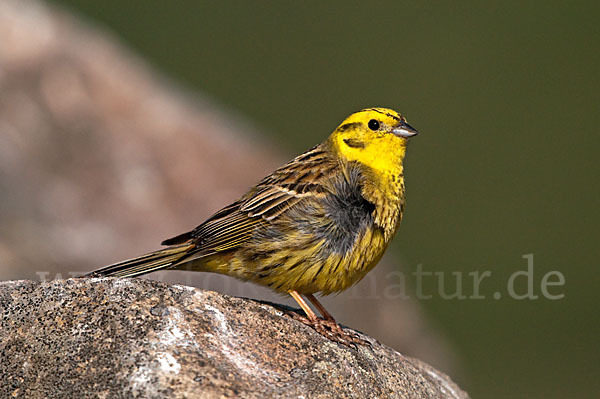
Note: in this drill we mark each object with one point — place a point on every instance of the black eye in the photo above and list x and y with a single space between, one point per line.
374 124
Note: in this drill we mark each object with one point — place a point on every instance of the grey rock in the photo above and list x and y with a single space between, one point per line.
136 338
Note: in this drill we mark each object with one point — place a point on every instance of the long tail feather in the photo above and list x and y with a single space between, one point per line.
150 262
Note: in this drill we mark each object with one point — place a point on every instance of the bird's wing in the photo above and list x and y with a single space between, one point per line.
304 178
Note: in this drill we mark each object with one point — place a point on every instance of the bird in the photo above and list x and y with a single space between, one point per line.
316 225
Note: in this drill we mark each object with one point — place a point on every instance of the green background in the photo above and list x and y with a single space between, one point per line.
505 95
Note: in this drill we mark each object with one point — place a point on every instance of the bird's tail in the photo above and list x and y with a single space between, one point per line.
157 260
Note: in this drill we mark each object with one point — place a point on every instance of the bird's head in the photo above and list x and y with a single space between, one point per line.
374 137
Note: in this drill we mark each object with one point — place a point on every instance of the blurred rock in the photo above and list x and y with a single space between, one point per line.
94 145
140 338
101 159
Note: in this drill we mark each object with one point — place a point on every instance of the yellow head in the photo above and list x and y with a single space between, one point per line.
374 137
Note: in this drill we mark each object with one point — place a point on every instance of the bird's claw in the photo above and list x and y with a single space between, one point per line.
331 330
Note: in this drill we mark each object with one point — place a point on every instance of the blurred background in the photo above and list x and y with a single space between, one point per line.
124 123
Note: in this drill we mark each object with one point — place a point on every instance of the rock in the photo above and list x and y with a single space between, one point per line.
113 338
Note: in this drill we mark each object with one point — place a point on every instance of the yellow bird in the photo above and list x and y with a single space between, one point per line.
318 224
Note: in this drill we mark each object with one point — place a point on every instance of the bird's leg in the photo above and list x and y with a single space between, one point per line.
331 323
327 317
327 326
322 310
312 317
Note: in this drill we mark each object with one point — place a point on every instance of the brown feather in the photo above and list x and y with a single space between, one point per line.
300 179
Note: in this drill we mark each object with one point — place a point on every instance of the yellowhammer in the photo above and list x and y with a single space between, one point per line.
318 224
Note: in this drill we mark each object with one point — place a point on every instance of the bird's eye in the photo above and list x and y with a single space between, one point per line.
374 124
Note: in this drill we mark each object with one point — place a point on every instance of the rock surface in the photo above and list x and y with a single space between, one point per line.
113 338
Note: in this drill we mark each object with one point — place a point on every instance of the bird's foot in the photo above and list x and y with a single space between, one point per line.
331 330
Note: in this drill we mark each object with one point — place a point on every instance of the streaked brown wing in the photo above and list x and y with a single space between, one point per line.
305 177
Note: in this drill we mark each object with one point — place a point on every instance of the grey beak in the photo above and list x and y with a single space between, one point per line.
405 130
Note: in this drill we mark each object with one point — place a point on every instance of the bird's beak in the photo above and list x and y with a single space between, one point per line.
404 130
